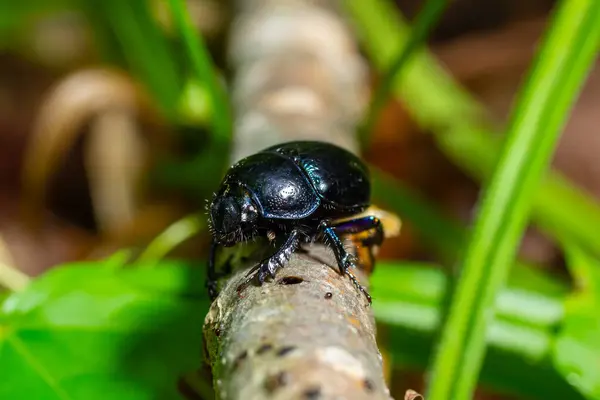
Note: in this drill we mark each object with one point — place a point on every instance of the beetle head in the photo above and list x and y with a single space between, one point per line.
233 216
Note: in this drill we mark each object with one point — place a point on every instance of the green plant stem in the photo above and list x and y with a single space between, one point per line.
178 232
539 116
461 126
425 21
204 70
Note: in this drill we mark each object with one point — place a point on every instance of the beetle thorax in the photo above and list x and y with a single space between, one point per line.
233 216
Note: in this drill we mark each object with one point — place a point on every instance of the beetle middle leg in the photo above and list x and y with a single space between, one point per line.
344 259
372 227
332 233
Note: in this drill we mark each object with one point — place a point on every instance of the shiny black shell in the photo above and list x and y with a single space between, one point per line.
301 179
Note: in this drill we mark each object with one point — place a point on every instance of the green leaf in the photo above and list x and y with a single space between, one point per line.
408 303
83 331
425 285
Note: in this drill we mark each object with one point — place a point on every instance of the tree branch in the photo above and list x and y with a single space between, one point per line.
309 333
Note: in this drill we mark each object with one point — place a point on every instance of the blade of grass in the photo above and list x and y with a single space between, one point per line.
567 53
460 125
424 23
142 45
175 234
204 70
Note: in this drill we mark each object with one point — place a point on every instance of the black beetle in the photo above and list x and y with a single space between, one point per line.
293 193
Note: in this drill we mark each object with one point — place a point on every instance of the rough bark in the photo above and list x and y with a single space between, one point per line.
309 333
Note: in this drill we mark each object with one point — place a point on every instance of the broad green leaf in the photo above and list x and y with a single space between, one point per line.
83 331
398 288
408 300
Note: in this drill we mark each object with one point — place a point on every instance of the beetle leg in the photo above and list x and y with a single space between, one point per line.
276 261
359 286
359 225
344 259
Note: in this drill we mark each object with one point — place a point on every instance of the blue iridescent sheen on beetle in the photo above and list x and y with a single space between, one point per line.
293 193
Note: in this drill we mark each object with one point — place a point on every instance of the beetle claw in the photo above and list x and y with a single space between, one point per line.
261 275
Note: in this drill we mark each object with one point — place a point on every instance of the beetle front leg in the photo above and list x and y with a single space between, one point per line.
277 260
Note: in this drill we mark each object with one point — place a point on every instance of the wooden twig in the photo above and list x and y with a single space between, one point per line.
309 333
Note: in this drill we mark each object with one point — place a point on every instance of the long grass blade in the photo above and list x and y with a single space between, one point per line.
562 64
